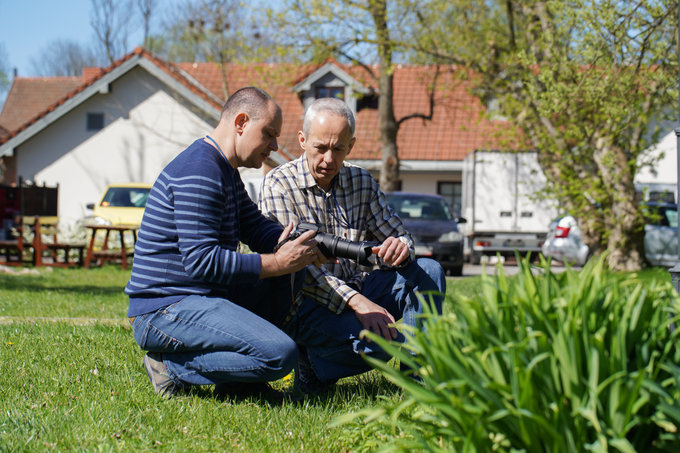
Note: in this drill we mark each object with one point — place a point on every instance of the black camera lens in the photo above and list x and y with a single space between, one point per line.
333 246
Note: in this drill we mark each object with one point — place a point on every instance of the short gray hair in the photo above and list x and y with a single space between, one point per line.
332 105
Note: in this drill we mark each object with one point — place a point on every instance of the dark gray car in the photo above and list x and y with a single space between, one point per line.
661 240
433 227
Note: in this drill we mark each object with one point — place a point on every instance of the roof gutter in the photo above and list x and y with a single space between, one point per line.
426 166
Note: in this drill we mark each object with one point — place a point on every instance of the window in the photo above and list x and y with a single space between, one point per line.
665 196
126 197
661 215
95 121
419 207
452 192
330 92
368 101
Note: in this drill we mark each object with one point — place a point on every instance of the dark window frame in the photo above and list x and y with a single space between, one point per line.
331 91
457 201
94 121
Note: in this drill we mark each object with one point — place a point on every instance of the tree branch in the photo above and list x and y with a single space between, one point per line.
429 116
354 60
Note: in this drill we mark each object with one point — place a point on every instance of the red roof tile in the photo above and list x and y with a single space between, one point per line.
30 95
91 73
274 79
455 130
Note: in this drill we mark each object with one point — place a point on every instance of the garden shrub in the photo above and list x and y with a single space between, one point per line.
576 361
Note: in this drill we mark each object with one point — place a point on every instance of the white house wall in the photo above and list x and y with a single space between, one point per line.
145 126
663 175
421 182
426 182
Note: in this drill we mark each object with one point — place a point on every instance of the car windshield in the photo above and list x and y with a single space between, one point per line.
662 216
126 197
421 208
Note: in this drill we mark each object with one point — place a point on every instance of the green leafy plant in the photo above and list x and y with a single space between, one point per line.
577 361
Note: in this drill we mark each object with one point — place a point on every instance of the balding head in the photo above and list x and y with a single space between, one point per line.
328 105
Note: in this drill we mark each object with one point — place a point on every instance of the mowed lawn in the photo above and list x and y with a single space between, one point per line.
71 378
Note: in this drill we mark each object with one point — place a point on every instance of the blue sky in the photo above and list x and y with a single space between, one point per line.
27 26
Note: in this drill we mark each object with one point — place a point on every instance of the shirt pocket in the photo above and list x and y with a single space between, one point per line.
353 234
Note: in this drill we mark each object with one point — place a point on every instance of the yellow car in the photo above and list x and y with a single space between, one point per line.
121 204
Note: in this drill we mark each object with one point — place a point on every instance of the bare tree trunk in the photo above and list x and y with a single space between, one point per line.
626 239
625 227
591 235
389 172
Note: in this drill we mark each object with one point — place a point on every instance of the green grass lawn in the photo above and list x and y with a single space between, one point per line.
71 378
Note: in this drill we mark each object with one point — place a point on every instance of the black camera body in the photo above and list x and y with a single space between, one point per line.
336 247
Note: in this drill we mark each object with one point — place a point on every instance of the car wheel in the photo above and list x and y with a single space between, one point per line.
476 258
456 271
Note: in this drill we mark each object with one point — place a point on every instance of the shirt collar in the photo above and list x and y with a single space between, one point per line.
304 177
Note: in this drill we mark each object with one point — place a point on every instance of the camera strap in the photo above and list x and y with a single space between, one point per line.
341 218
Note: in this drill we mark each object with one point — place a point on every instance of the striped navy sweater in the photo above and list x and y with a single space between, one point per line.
197 212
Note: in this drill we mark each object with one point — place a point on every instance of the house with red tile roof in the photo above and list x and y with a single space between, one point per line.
124 123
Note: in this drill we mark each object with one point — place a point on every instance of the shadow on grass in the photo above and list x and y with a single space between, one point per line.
368 386
269 397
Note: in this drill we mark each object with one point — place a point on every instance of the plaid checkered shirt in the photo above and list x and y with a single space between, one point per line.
354 209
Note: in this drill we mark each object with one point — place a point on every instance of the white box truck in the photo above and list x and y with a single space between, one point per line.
500 205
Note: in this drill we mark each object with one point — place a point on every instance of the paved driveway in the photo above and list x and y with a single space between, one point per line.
471 270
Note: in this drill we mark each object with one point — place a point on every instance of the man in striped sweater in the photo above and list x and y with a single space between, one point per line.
205 313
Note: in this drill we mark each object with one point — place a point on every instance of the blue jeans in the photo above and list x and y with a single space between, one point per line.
332 340
206 340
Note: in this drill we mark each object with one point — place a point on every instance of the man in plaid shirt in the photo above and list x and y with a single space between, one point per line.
341 299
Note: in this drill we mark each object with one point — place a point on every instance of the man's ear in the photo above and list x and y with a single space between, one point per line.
302 140
351 145
240 122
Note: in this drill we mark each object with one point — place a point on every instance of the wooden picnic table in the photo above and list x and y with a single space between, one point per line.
105 253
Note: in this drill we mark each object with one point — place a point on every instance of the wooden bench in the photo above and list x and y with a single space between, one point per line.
13 250
46 242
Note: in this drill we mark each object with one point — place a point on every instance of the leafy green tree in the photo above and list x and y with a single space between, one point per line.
587 82
363 32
